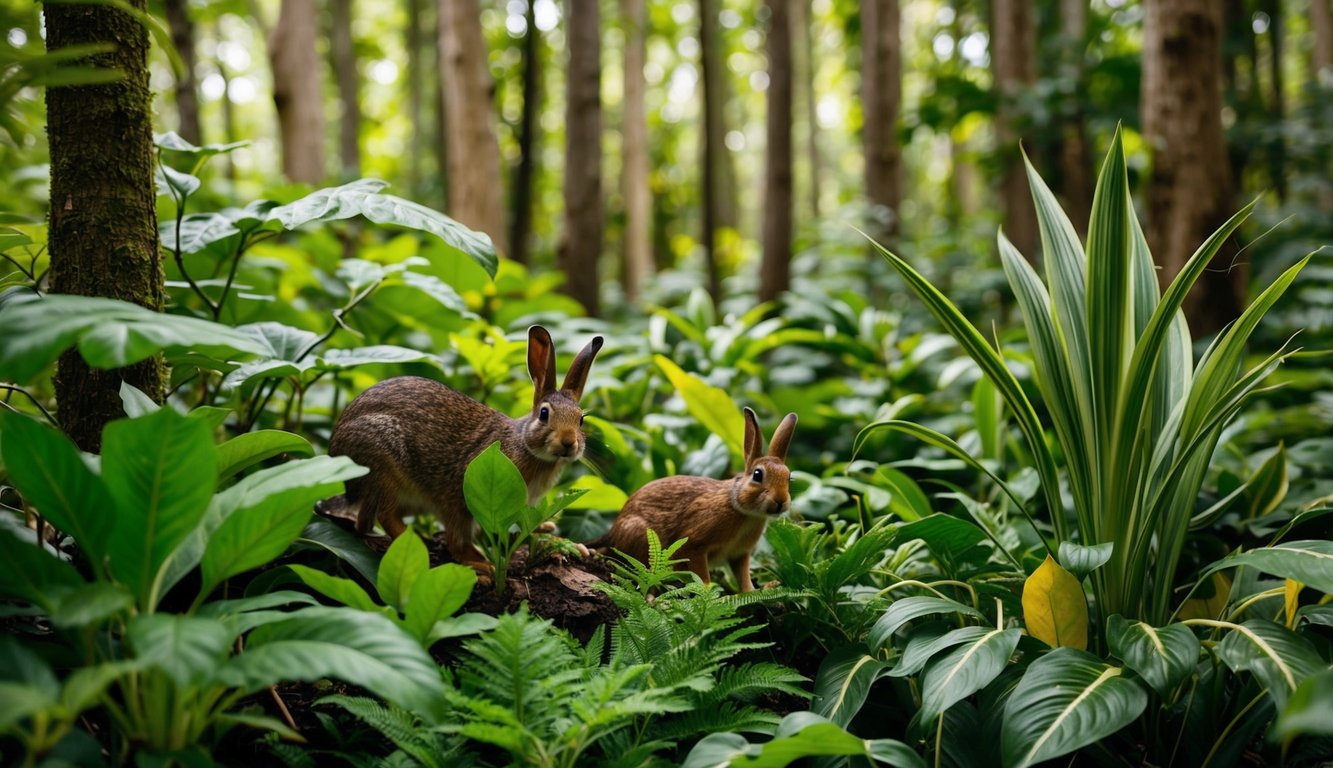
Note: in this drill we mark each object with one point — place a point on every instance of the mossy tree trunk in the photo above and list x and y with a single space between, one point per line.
580 247
775 267
103 221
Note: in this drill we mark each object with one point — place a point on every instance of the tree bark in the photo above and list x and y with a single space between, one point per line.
344 69
1075 156
297 92
881 94
581 244
475 194
1014 60
103 221
713 141
526 170
187 93
803 67
1277 111
228 116
775 270
412 41
1321 59
636 190
1190 185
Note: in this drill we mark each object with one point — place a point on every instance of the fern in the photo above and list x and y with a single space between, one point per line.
414 739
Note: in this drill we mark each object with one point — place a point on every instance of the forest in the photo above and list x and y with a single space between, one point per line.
666 382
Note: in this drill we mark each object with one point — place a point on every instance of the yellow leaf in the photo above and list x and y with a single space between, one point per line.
1293 601
1054 608
1208 607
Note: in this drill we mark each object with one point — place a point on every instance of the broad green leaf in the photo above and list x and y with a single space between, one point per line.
1054 608
344 544
437 594
906 609
22 701
1278 657
711 405
197 231
49 471
160 470
171 141
461 625
87 605
345 359
1067 699
1268 487
1081 560
84 687
21 664
246 450
947 537
799 735
135 401
987 416
345 591
924 645
265 512
907 500
599 494
12 238
181 184
495 491
1163 656
965 670
404 563
187 648
843 682
281 342
1309 562
1309 710
31 573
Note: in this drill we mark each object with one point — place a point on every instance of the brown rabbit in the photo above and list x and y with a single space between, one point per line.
722 519
417 436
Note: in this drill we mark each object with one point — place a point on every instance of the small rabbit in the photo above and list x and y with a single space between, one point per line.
722 519
417 436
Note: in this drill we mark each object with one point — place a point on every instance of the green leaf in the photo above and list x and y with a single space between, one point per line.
245 451
495 492
946 536
345 591
906 500
22 701
799 735
172 142
927 642
12 238
1309 562
344 544
49 471
87 605
1054 608
160 470
1081 560
135 401
265 512
1162 657
187 648
908 608
843 682
400 568
1067 699
181 184
712 406
436 595
1278 657
1268 487
965 670
461 626
30 572
1309 710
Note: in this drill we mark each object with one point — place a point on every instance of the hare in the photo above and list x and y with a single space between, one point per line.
722 519
417 436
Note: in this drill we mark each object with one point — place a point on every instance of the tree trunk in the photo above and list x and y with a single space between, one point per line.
803 67
1276 115
713 141
103 220
1075 156
1190 184
775 271
1014 59
344 69
581 244
475 194
416 95
1321 59
525 171
228 116
187 93
297 92
881 94
638 194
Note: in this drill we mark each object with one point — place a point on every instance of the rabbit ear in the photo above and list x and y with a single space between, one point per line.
577 375
541 363
782 438
754 439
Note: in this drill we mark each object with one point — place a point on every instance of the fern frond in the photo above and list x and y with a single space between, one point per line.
748 680
726 716
404 730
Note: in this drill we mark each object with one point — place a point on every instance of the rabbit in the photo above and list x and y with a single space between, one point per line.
417 437
722 519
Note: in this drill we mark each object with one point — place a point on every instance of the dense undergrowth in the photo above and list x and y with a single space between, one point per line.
1083 535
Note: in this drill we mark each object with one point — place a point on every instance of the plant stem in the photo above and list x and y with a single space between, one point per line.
1217 743
31 398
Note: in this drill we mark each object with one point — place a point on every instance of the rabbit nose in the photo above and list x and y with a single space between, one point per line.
779 505
568 442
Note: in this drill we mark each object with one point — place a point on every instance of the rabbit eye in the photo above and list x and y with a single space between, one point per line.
544 414
580 419
758 475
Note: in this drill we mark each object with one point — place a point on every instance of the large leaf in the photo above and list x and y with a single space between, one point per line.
246 450
30 572
909 608
437 595
928 641
51 474
1278 657
108 333
946 536
187 648
965 670
1066 700
160 469
345 591
1081 560
711 405
404 562
344 544
1163 657
800 734
843 683
1309 710
495 491
265 512
1054 608
1309 562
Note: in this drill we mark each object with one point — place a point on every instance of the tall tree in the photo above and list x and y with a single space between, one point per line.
634 151
581 243
416 92
473 153
775 269
1190 185
713 142
103 220
1075 156
1277 107
187 94
526 169
297 92
881 94
1321 60
803 68
1014 60
343 52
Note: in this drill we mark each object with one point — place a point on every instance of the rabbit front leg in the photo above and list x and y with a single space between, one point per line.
458 538
741 567
698 562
